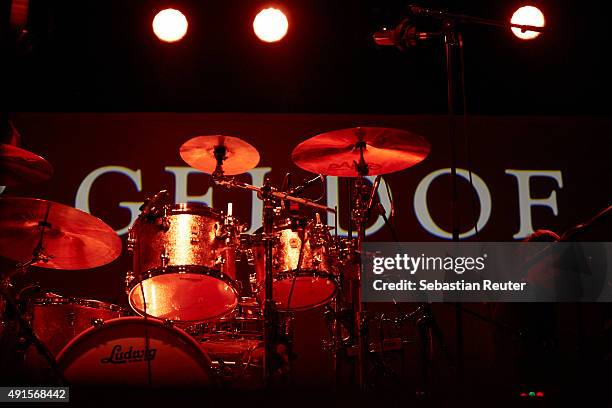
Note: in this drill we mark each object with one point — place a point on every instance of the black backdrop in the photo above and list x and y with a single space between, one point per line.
77 144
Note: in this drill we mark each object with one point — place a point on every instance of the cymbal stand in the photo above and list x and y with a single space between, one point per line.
270 336
12 303
219 152
359 216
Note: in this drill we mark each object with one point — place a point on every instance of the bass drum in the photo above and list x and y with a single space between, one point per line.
117 354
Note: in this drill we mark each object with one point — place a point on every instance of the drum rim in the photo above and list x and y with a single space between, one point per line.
78 301
185 269
85 335
283 276
194 208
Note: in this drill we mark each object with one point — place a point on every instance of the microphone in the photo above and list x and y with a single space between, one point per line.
306 184
149 206
404 36
426 12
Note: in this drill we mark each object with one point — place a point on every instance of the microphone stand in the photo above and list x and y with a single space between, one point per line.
453 44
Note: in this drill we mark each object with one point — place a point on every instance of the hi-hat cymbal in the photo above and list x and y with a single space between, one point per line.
336 153
240 156
71 238
19 166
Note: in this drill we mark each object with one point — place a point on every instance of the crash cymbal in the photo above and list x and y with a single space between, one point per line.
72 239
199 153
336 153
19 166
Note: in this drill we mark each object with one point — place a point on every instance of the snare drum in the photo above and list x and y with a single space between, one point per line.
234 344
134 351
184 264
302 266
56 319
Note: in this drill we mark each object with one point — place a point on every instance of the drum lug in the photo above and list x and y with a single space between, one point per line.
168 323
97 322
131 240
194 234
163 223
253 278
131 244
129 278
71 318
250 256
164 258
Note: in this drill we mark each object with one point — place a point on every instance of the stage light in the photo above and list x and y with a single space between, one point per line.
270 25
527 15
170 25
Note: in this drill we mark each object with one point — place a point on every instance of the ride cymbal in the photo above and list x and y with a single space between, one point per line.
338 153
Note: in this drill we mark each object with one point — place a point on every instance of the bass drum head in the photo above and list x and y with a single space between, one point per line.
117 354
184 297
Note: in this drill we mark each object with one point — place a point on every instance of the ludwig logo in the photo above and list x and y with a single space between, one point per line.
131 355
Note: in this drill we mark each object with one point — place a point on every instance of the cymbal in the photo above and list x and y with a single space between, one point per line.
72 239
19 166
336 153
240 156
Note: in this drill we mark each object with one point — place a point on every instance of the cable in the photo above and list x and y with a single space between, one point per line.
390 196
147 344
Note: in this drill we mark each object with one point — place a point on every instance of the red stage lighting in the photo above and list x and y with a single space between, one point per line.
527 15
170 25
270 25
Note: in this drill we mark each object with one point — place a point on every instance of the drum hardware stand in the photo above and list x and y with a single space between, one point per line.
360 216
267 194
219 152
25 327
269 304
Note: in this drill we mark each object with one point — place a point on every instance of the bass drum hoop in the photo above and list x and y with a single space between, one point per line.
202 356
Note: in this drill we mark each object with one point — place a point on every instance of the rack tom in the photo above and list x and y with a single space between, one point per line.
302 265
184 264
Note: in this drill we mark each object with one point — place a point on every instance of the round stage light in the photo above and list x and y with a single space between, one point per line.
170 25
270 25
527 15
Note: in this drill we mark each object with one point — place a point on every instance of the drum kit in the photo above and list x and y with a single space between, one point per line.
190 321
